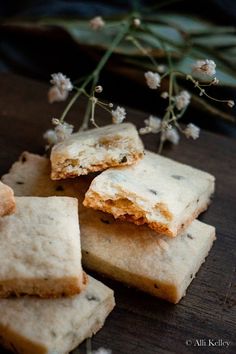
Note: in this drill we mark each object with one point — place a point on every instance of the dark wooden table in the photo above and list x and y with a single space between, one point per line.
142 324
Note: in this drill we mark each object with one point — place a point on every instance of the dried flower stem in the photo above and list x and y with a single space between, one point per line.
202 91
178 99
124 30
88 346
85 123
143 50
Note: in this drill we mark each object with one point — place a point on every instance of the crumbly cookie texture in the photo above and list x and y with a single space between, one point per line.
162 193
96 150
136 256
30 325
40 252
7 200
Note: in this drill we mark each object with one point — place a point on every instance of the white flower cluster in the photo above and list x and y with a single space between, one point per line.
152 125
61 132
182 100
192 131
118 115
153 80
97 23
50 136
60 89
164 94
204 67
231 103
161 68
171 135
136 22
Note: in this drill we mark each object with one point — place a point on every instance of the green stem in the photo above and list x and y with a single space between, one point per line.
203 92
88 346
85 123
99 67
163 39
143 50
74 98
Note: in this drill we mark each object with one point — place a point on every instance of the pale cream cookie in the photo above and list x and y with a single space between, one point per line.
95 150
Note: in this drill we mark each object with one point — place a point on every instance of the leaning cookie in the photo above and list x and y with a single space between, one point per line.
162 193
40 250
96 150
7 201
31 325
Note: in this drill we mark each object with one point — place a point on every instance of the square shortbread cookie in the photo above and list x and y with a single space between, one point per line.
160 265
40 250
7 201
96 150
30 325
162 193
135 256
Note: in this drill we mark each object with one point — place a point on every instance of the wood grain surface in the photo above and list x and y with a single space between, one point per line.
142 324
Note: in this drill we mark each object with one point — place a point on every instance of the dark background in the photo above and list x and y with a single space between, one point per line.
38 56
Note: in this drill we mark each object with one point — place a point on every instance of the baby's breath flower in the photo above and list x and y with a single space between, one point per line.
201 93
182 100
97 23
110 105
50 136
55 121
153 125
102 351
231 103
118 115
62 82
171 135
204 67
164 94
55 95
192 131
136 22
63 131
215 81
161 68
153 80
98 89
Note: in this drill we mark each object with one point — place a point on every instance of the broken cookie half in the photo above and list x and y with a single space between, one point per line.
96 150
157 191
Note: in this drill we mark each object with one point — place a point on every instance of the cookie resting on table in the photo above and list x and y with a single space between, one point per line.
40 252
30 325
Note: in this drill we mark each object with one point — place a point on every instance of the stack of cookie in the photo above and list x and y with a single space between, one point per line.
47 303
136 217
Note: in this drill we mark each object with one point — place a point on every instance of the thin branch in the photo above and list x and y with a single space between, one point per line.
203 105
